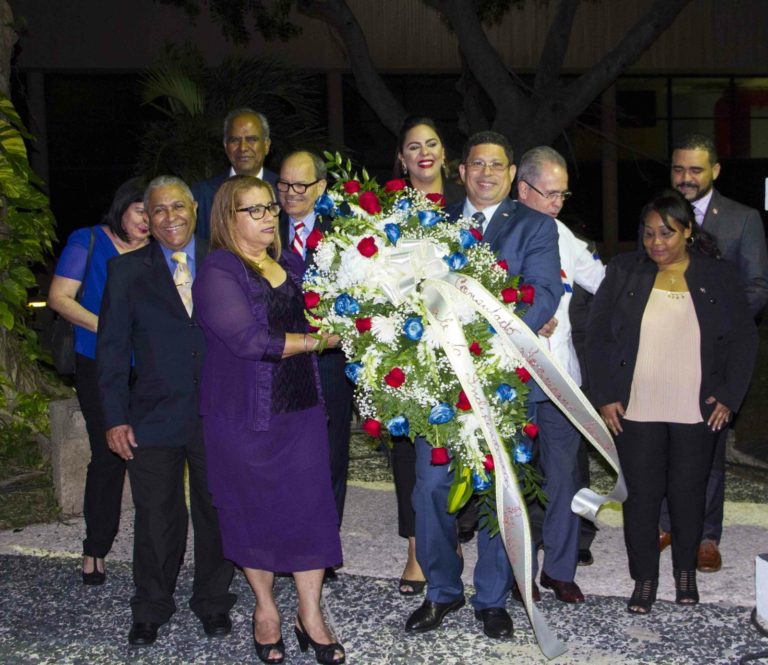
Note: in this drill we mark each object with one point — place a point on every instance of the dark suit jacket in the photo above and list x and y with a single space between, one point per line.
142 314
728 333
527 240
205 190
741 238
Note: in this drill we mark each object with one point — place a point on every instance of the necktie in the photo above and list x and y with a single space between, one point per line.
699 215
298 245
479 219
182 278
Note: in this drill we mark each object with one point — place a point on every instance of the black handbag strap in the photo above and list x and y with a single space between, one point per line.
87 265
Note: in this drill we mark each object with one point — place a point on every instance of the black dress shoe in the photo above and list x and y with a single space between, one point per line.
585 558
497 623
143 634
217 625
330 575
430 615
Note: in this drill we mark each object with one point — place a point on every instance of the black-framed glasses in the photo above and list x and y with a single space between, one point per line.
258 211
298 187
550 196
480 165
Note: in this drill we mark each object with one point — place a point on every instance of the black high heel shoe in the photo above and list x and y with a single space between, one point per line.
325 654
643 597
96 577
686 591
263 650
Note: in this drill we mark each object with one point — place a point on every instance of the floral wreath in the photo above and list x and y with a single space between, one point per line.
404 384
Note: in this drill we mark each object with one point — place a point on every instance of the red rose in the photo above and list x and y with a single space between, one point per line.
526 293
440 456
313 329
372 427
531 430
367 247
475 349
395 378
509 295
503 264
370 203
463 403
395 185
351 187
363 324
476 233
314 238
523 374
311 299
437 198
488 463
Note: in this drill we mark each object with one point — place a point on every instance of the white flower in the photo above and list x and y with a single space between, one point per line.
430 337
497 352
354 268
324 256
384 329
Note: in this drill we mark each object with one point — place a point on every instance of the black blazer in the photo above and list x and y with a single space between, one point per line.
728 333
142 314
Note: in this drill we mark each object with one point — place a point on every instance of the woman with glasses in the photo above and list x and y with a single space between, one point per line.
263 416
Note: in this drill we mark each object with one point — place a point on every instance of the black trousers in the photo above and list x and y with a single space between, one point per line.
160 533
106 471
658 460
337 392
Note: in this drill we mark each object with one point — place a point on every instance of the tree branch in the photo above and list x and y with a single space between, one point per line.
481 57
637 39
555 45
339 16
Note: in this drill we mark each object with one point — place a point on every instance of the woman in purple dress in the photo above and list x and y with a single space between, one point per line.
264 418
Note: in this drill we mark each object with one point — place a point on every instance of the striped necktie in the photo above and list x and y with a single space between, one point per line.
298 245
479 219
182 278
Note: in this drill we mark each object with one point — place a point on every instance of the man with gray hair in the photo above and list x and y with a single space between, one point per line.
246 143
542 184
149 355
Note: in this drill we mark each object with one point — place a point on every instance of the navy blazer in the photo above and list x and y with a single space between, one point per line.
204 191
728 333
242 351
527 241
142 314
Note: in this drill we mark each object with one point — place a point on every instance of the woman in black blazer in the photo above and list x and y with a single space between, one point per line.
670 350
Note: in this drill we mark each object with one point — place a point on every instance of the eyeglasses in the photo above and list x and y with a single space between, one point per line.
258 211
480 165
550 196
298 187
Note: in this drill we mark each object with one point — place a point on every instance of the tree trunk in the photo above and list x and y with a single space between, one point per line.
8 39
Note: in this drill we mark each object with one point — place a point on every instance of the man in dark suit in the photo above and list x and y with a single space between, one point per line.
527 240
151 414
247 143
302 181
740 236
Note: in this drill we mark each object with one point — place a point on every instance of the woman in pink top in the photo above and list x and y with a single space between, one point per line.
671 346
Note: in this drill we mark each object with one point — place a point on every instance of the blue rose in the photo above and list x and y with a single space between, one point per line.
491 329
324 206
523 453
505 393
404 205
352 370
441 413
480 482
398 426
456 261
346 305
466 239
413 328
428 218
393 232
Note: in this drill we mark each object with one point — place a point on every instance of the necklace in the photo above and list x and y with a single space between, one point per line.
260 264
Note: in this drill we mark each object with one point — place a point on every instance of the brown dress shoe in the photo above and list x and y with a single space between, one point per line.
567 592
534 592
710 560
665 540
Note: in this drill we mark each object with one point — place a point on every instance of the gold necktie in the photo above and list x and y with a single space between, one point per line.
182 278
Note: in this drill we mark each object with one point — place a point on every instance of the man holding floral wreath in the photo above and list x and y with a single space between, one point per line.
527 241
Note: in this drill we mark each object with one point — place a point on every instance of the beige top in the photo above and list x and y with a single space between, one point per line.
667 378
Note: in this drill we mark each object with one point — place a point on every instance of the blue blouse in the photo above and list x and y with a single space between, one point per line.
71 264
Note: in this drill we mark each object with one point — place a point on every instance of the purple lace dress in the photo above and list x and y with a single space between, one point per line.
272 486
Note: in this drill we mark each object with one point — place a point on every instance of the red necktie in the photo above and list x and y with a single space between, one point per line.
297 245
